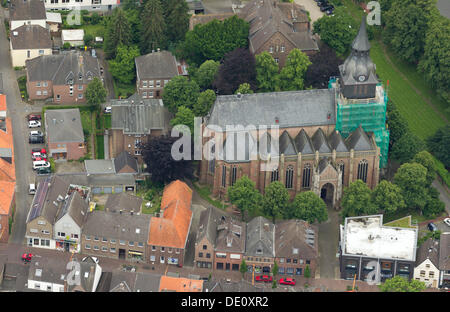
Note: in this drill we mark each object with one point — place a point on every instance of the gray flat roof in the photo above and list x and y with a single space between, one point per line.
99 166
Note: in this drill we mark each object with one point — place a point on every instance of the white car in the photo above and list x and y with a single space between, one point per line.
34 124
32 189
36 133
447 221
108 110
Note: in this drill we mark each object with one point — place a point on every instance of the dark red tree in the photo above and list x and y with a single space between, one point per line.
325 64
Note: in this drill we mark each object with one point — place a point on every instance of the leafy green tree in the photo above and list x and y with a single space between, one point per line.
407 23
401 284
184 116
397 124
425 159
356 200
243 268
435 63
244 195
177 19
211 41
309 207
337 31
118 32
95 18
244 88
275 200
293 73
439 145
387 197
180 92
88 39
153 26
275 269
134 19
266 72
406 147
122 68
307 273
206 74
434 206
412 180
95 93
204 103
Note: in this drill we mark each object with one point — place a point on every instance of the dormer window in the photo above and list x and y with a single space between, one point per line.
80 76
259 251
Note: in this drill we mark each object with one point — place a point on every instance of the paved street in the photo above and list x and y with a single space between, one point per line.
328 246
443 195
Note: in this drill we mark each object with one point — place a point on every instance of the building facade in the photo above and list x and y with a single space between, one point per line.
28 42
31 12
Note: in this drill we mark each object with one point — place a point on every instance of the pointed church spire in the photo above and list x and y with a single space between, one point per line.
361 42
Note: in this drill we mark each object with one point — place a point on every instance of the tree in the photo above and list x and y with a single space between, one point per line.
157 155
177 19
309 207
211 41
401 284
95 18
134 19
356 200
204 103
439 144
238 67
95 93
412 180
397 124
435 63
275 200
387 197
206 74
407 23
425 159
406 147
293 73
266 72
337 31
324 64
180 92
184 116
243 268
122 68
307 273
118 32
434 206
275 268
88 39
153 26
244 195
244 88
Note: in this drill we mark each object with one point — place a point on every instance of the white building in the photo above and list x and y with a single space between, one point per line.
53 21
73 36
427 263
28 42
92 5
27 12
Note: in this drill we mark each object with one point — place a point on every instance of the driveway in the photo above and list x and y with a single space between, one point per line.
328 246
313 9
443 195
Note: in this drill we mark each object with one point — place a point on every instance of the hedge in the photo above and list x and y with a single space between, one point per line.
442 172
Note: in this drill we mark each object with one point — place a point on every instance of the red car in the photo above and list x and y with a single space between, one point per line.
263 278
34 117
37 155
27 257
39 159
287 281
38 150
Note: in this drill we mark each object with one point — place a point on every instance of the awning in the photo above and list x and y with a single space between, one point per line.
137 253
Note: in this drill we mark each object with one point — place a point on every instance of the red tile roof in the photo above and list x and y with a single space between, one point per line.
180 284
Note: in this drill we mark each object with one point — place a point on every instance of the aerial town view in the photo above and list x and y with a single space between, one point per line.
225 146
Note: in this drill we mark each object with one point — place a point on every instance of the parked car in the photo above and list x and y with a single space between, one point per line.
32 189
34 117
44 171
287 281
27 257
37 155
263 278
35 139
40 164
447 221
326 8
38 150
36 133
432 227
34 124
108 110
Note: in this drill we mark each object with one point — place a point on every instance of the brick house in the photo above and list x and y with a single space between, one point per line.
28 42
154 71
296 246
206 238
63 77
260 245
7 172
169 232
134 121
65 136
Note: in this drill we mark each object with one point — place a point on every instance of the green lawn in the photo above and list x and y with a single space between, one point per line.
94 30
123 90
403 222
205 193
99 147
106 121
86 121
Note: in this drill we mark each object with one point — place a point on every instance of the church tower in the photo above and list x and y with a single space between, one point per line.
360 96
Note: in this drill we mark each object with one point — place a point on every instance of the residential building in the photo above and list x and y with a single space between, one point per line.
124 163
69 221
75 37
206 238
427 263
115 235
444 260
123 202
365 244
260 245
7 172
54 21
65 136
47 202
47 274
154 71
30 12
28 42
133 122
169 232
134 282
63 77
89 273
102 183
311 140
195 7
90 5
180 284
230 244
296 247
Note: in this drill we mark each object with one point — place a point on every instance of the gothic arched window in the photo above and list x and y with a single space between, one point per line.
224 176
342 167
289 177
233 175
306 176
362 170
274 176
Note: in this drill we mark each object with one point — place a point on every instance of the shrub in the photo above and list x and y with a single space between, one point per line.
95 18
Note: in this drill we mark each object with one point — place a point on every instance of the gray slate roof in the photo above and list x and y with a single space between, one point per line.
303 143
336 142
138 116
99 166
260 237
361 41
319 141
296 234
27 10
48 269
444 252
123 201
76 207
125 159
359 140
98 179
156 65
209 220
118 226
64 125
134 282
428 250
231 235
88 269
292 109
31 37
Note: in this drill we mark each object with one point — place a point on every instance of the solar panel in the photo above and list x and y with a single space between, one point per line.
38 200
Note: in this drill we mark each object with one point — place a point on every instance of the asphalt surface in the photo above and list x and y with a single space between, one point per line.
328 246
